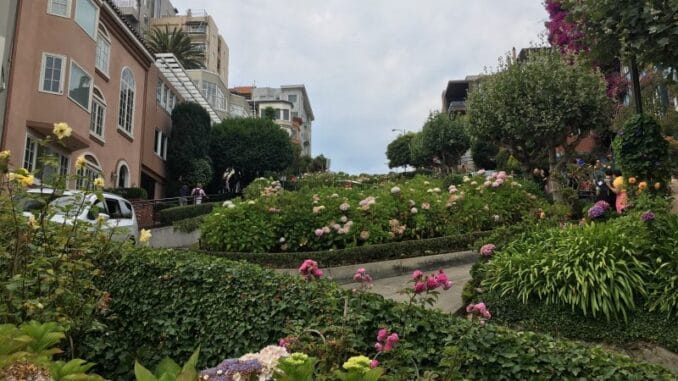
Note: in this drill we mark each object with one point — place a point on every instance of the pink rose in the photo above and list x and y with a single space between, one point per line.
374 363
392 338
378 347
417 274
419 287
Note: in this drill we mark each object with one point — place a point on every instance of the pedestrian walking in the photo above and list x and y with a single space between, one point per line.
198 193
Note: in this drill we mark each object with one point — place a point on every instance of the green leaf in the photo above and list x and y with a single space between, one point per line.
143 374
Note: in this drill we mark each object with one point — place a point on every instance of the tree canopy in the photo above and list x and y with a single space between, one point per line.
398 151
177 42
188 143
252 145
444 139
533 107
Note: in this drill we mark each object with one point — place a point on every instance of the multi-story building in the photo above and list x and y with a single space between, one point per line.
7 22
76 61
290 102
138 13
204 35
454 103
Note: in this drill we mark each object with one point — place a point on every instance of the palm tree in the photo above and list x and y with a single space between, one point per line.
178 43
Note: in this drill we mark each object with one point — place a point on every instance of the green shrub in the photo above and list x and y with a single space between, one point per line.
177 213
562 321
131 193
360 254
642 151
164 303
332 218
189 225
597 269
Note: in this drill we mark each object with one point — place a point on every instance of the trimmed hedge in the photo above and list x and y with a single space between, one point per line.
166 303
360 254
177 213
130 193
562 321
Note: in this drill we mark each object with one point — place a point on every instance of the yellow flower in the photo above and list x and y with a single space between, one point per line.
632 180
144 235
32 222
22 176
80 162
4 155
642 185
657 186
26 180
99 182
62 130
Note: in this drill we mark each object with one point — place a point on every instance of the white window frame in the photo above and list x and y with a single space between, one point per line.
121 164
96 21
122 129
62 77
91 170
91 86
99 102
102 34
35 147
69 8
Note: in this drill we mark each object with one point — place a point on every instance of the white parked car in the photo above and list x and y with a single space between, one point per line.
116 212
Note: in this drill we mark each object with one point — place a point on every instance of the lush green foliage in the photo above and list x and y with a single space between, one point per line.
398 151
188 142
641 326
177 42
444 139
642 151
597 269
170 215
484 154
643 29
26 351
169 370
252 145
336 218
557 99
47 270
131 193
232 308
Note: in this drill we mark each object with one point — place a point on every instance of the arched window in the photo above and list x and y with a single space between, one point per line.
127 89
123 176
96 124
88 173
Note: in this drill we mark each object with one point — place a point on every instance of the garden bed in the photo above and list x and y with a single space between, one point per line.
360 254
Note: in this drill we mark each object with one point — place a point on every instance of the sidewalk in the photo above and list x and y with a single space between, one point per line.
674 192
448 301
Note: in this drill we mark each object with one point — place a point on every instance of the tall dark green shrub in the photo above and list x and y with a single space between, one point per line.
188 142
642 151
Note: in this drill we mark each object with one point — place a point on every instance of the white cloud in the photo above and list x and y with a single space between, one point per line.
369 66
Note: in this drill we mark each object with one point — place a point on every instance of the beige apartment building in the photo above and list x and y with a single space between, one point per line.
205 35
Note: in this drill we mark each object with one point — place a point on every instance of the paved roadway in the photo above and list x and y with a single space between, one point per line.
448 301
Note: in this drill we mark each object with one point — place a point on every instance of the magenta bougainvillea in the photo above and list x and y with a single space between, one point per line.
562 33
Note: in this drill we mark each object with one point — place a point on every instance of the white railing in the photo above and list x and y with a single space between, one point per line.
126 4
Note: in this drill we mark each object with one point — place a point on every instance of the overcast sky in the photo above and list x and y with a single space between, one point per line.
369 66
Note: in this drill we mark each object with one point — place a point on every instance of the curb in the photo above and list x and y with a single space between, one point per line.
396 267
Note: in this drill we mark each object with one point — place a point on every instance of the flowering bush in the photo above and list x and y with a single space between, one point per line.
336 217
487 250
478 312
363 278
425 288
309 270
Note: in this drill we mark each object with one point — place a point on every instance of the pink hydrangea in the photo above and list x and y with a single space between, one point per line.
319 232
309 270
487 250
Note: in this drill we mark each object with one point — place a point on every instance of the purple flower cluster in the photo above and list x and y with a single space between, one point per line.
647 216
596 212
602 204
232 369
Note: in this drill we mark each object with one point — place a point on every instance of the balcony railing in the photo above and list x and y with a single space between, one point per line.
127 4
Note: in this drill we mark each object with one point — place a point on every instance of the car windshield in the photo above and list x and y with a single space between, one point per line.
69 205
